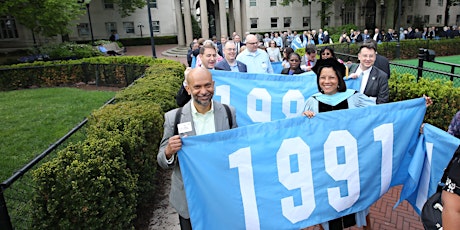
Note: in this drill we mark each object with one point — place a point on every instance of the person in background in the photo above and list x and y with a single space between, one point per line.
204 115
238 43
230 63
328 52
286 52
278 40
223 40
309 59
274 52
294 65
344 38
366 35
454 127
377 35
114 36
374 82
256 60
451 195
195 46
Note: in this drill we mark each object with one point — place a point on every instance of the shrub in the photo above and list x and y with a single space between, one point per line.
140 127
88 186
446 97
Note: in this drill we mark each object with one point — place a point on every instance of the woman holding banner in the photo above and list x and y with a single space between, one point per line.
294 65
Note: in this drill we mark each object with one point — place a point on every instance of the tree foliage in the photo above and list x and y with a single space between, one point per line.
54 17
323 13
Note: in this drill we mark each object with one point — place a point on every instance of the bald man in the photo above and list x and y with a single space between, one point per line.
201 115
255 59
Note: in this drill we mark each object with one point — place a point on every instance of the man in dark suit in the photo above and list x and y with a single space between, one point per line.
212 117
238 43
381 62
230 63
374 82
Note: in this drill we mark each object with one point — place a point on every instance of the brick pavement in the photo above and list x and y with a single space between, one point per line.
382 214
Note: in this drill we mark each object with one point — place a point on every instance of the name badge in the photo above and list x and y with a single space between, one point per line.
184 127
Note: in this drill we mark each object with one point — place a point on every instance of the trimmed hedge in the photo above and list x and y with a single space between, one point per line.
107 180
88 186
446 97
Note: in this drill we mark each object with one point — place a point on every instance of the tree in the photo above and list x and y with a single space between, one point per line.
323 13
446 12
54 17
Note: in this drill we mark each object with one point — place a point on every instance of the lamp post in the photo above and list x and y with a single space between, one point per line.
152 42
140 27
382 7
311 19
89 18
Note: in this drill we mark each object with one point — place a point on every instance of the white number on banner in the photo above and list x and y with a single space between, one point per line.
293 95
302 179
384 133
241 159
265 114
224 92
348 171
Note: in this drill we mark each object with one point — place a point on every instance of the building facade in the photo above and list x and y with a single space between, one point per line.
226 16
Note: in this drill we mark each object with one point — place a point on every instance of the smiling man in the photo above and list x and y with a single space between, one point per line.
201 115
256 60
230 63
374 82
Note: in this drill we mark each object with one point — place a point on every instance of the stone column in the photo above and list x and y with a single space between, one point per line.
244 27
223 18
237 12
188 22
179 23
217 19
204 19
231 17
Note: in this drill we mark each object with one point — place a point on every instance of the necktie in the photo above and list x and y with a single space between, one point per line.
309 64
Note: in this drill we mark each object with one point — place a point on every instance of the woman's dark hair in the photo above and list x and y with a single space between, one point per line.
338 68
288 52
327 48
293 54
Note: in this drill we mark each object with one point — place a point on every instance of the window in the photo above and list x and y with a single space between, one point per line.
252 3
410 3
349 13
272 2
427 2
440 2
83 29
274 22
8 28
110 26
438 18
409 19
458 19
306 21
426 19
153 3
128 27
327 21
108 4
253 22
287 22
156 26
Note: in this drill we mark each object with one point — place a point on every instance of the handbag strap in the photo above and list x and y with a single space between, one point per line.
446 170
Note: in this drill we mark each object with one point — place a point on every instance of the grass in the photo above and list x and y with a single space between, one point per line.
34 119
433 66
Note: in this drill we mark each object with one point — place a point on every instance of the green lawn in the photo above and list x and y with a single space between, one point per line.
433 66
34 119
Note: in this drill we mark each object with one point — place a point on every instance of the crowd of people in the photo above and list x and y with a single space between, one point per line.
200 114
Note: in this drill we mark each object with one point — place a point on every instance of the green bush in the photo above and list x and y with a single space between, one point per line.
88 186
446 97
140 126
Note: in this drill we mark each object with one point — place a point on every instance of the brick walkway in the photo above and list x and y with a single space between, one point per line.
382 214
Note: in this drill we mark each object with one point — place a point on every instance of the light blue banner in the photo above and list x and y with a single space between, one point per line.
434 150
266 97
263 97
298 172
